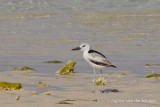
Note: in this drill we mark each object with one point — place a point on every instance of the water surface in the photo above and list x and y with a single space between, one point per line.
35 31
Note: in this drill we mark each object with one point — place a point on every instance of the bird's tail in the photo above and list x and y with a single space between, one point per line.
113 66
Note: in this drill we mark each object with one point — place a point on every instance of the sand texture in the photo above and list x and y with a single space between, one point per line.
133 92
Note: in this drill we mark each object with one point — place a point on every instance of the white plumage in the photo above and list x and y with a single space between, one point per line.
94 58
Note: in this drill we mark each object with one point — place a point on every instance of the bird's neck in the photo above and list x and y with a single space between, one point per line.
85 51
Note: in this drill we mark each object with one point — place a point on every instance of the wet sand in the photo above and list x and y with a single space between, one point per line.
132 91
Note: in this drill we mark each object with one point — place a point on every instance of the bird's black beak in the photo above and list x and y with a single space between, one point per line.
77 48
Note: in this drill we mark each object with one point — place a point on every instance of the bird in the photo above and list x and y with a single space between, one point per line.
96 59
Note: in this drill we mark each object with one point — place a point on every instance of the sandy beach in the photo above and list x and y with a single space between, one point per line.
132 92
35 31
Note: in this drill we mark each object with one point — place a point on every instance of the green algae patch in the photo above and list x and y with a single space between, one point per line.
34 93
152 76
117 74
42 85
123 73
115 90
54 62
47 93
10 86
17 97
63 102
75 100
100 80
25 68
15 69
68 68
69 101
152 65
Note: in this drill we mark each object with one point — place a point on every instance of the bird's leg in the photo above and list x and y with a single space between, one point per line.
102 81
94 80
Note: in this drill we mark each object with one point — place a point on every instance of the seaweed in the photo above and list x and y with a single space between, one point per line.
117 74
115 90
10 86
152 65
75 100
63 102
95 100
15 69
122 73
47 93
68 68
42 85
55 62
17 97
67 101
100 80
34 93
25 68
152 75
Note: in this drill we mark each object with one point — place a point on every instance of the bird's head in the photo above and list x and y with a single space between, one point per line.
83 47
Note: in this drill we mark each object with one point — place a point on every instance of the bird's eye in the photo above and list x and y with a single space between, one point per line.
83 46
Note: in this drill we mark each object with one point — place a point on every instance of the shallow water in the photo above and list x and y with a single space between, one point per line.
33 32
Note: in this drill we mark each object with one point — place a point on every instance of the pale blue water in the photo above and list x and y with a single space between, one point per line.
35 31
